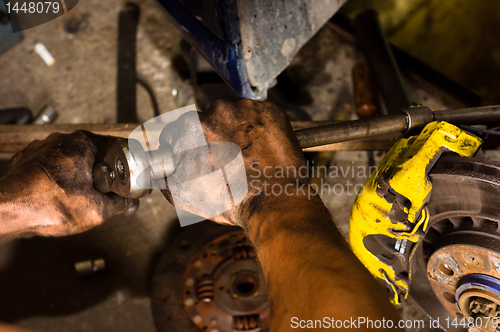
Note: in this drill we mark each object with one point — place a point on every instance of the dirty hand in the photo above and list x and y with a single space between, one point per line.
267 142
48 189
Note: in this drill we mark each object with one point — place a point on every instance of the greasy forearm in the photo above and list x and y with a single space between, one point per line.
23 212
310 271
8 328
16 217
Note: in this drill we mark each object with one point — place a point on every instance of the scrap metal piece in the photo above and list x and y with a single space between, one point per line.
391 208
90 267
365 92
47 115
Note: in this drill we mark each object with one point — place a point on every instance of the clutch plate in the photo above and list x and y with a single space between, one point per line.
209 279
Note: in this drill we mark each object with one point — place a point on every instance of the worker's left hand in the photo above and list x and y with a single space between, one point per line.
51 181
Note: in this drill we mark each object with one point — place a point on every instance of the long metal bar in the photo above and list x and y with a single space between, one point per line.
473 115
369 134
358 129
14 138
382 125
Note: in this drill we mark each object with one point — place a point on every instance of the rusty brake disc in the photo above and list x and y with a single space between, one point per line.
455 269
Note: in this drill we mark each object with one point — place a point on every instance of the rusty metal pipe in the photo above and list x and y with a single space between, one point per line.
368 134
351 130
14 138
472 115
410 118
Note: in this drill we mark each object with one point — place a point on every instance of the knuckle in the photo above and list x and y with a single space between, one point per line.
222 103
248 103
53 136
268 105
272 108
222 106
249 106
80 134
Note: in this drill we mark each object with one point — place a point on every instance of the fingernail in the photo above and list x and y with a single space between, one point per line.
131 210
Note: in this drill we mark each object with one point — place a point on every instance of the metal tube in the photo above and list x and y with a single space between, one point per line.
351 130
47 115
473 115
388 124
14 138
354 135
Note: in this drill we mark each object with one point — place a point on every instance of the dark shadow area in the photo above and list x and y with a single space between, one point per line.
40 278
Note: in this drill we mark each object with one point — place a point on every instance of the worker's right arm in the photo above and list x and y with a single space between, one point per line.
48 189
310 272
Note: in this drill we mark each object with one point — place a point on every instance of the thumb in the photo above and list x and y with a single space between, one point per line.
115 204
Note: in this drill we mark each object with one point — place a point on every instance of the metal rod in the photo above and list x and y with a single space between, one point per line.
473 115
14 138
369 134
350 130
387 124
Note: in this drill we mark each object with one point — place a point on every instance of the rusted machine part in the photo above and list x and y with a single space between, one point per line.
448 265
217 288
365 93
224 288
90 267
462 239
478 297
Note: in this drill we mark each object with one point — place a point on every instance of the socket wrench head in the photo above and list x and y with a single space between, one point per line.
124 170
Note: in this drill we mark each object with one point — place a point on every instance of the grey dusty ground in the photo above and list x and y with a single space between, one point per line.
38 286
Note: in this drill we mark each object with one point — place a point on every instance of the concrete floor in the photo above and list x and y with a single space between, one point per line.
38 286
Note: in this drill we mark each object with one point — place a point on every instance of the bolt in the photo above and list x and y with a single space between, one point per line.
472 259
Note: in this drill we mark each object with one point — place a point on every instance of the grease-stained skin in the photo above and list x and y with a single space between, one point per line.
309 269
48 189
262 132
